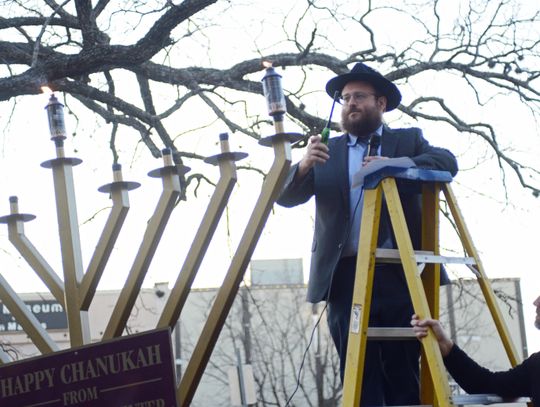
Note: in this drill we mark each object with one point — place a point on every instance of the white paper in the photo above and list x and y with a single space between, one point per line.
400 162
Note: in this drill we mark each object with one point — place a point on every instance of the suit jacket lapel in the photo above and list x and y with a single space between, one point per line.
388 143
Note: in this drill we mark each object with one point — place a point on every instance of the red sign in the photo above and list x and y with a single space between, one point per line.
131 371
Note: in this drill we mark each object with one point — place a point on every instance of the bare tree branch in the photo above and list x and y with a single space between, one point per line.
488 45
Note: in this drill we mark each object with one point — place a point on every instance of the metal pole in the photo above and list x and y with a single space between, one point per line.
519 309
451 312
241 383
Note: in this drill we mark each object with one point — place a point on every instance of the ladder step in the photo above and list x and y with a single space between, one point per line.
392 256
485 399
389 334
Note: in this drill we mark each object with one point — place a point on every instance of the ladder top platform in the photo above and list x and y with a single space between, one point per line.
409 174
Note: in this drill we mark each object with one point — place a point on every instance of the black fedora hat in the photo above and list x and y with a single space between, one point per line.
362 72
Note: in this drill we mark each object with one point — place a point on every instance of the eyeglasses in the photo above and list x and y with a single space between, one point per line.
357 97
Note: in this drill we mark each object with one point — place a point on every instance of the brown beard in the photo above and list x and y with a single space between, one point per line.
362 127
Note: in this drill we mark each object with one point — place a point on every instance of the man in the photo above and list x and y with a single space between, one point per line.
520 381
325 171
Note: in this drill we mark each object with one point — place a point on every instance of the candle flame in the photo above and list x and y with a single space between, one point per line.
267 64
46 90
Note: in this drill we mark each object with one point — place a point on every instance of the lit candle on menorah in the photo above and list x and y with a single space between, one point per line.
55 114
275 99
57 126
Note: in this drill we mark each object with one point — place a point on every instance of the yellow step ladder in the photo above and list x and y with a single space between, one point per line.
422 273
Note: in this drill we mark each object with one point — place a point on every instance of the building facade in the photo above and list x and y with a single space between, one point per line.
271 328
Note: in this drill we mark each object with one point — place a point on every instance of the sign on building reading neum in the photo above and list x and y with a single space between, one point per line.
131 371
49 313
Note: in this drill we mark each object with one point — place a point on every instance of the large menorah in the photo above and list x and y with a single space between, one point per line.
78 287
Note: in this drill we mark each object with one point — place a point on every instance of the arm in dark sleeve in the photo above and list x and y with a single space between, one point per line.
474 378
433 158
296 192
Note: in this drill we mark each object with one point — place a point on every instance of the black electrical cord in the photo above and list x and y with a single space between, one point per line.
304 357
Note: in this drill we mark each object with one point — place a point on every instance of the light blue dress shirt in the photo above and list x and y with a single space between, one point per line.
357 151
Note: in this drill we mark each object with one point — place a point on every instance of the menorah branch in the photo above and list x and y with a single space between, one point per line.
17 237
26 318
152 236
218 202
226 294
118 191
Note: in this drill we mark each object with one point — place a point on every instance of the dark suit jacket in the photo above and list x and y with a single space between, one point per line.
329 183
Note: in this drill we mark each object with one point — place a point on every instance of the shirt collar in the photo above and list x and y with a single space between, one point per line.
354 139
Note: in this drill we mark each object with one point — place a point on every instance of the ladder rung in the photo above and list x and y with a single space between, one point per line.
389 334
421 256
465 399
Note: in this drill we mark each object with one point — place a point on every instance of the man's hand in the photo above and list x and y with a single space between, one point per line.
370 158
317 152
421 326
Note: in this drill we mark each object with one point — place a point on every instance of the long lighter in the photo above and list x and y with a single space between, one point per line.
325 133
